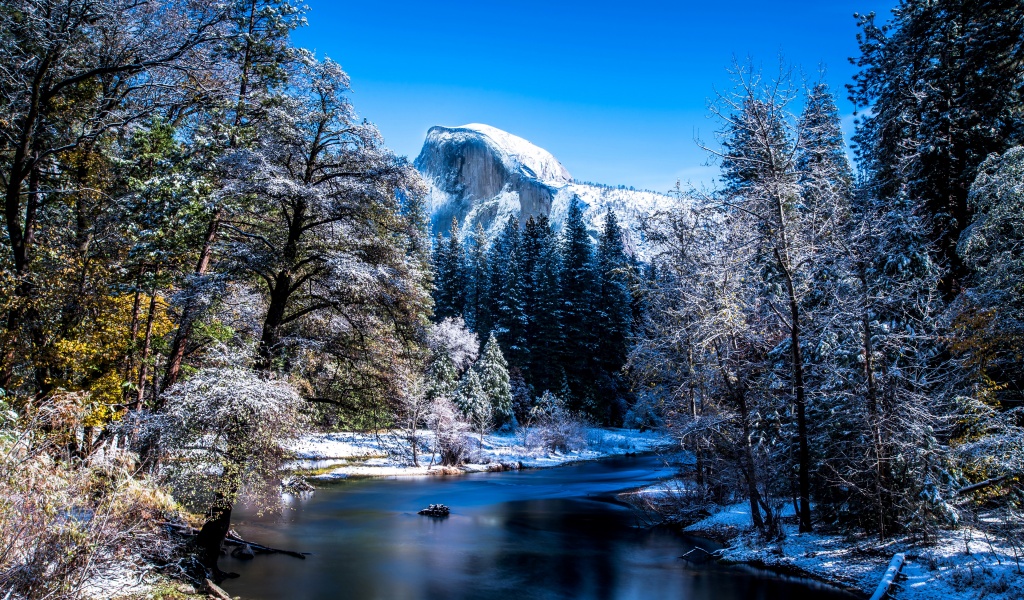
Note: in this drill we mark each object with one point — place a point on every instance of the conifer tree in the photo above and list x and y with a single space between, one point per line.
614 304
506 300
943 82
442 377
473 402
494 379
577 300
545 315
450 275
478 284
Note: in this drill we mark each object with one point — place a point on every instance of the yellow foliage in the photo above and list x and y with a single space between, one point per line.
94 359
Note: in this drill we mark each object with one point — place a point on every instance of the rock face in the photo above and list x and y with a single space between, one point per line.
481 174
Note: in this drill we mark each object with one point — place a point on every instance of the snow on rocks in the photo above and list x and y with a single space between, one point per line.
387 454
479 174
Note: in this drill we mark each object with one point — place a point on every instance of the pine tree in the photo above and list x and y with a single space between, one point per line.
506 299
473 402
578 320
494 379
450 275
614 306
544 315
478 285
442 377
943 82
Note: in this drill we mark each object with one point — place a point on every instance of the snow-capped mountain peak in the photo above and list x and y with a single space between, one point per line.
479 174
535 161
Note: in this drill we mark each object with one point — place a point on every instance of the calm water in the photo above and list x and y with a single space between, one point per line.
545 534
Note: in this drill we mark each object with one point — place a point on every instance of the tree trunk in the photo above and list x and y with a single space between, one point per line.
874 415
211 536
144 360
181 336
797 356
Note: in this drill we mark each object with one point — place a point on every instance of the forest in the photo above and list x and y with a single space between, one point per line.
207 252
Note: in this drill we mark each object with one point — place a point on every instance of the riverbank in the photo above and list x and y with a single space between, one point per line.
329 456
963 564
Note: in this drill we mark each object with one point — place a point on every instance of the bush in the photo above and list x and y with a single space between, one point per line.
63 522
557 428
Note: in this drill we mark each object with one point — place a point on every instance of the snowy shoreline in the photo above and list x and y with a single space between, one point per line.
343 455
956 565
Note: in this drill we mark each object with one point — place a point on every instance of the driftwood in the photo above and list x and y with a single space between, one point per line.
890 576
698 556
233 539
216 591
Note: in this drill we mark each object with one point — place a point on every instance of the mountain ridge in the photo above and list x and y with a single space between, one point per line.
477 173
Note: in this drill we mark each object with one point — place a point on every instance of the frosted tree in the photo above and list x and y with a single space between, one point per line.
935 114
452 338
494 380
988 330
990 323
325 242
225 426
138 61
763 196
474 403
453 350
255 55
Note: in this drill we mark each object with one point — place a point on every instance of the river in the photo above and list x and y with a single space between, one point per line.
532 534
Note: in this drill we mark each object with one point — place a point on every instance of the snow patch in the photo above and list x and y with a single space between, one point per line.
387 454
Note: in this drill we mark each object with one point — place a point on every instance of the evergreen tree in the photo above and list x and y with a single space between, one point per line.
577 300
506 299
478 284
542 264
494 379
473 402
442 377
990 315
449 275
614 306
944 82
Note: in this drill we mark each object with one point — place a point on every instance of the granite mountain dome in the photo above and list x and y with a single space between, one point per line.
481 174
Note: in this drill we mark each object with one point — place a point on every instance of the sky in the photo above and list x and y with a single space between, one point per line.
617 91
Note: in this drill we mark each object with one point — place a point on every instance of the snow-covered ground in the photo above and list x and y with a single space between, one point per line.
959 565
351 454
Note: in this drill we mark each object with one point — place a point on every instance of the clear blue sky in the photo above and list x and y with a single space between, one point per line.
617 91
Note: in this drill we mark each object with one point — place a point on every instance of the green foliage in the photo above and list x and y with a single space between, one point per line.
494 381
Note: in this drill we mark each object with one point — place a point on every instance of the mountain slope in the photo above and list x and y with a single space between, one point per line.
481 174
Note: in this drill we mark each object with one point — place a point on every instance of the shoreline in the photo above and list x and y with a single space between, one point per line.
325 457
960 564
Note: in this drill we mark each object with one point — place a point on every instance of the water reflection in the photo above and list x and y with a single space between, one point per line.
545 534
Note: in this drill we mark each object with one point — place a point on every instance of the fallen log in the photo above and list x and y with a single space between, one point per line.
233 539
216 591
980 485
890 576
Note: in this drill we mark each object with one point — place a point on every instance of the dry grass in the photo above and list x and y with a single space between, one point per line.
64 523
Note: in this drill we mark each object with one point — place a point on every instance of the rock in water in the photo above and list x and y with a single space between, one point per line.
436 510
